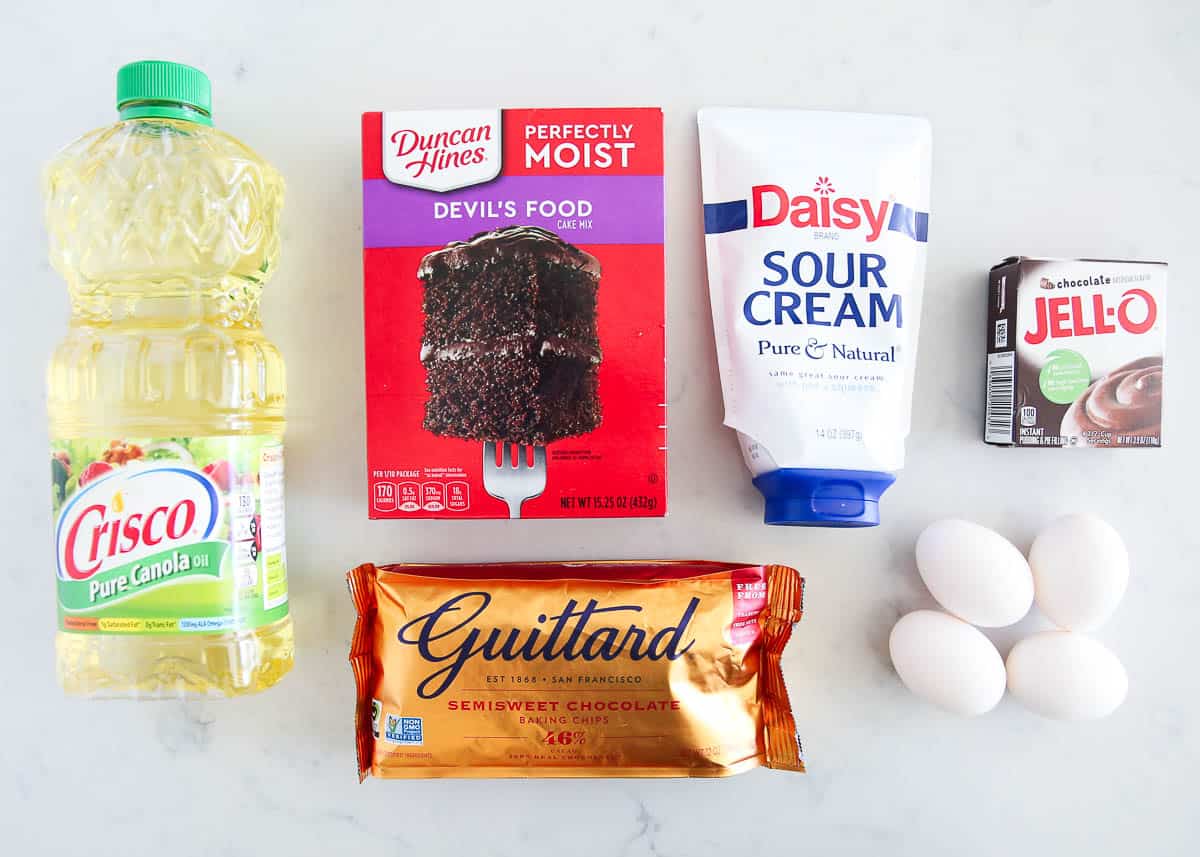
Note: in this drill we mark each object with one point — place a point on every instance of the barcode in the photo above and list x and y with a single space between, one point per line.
998 414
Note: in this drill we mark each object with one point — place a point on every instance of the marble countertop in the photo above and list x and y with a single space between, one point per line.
1060 128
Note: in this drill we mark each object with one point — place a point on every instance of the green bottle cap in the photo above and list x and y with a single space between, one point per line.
164 89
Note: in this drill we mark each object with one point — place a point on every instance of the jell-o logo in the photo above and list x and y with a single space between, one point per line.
1060 317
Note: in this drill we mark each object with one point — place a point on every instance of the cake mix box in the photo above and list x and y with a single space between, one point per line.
513 301
1075 353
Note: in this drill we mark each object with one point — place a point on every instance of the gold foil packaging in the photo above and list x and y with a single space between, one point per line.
581 669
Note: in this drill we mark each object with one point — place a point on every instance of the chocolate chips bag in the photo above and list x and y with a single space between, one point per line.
610 669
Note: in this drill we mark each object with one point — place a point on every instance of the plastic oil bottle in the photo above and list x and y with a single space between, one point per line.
166 402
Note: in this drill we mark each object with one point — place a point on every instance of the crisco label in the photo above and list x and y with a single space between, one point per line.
170 535
133 527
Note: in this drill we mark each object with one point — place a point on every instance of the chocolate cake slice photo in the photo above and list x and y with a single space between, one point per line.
510 346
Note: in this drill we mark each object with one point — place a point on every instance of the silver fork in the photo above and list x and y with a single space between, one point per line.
514 483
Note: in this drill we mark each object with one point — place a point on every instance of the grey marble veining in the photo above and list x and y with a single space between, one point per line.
1060 128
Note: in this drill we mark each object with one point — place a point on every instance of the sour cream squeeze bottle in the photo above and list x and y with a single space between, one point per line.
815 231
166 402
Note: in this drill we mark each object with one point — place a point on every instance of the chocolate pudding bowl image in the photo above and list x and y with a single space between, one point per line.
1121 409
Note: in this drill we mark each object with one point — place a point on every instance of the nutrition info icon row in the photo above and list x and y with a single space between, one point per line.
421 496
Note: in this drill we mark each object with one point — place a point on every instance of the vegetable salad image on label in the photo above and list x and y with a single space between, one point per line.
169 536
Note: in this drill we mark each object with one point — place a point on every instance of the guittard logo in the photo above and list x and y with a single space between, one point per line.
454 633
441 150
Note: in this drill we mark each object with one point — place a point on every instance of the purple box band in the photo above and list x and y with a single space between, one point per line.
624 210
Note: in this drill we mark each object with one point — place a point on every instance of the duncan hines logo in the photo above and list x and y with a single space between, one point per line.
131 514
823 208
441 150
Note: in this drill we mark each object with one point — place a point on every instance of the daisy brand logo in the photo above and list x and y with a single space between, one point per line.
773 205
441 150
822 210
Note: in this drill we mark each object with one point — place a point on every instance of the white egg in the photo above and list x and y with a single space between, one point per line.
1080 571
1066 676
947 662
975 573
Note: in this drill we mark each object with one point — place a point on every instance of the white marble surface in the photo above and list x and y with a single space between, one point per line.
1060 128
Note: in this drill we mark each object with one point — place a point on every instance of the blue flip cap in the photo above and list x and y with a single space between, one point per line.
811 497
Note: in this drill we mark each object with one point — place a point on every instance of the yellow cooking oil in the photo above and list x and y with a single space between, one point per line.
166 403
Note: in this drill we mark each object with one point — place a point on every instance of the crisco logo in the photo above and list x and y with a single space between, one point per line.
132 513
441 150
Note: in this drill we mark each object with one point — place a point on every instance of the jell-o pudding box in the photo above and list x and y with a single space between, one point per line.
1075 353
513 299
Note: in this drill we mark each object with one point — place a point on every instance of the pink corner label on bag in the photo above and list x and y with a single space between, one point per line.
749 599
